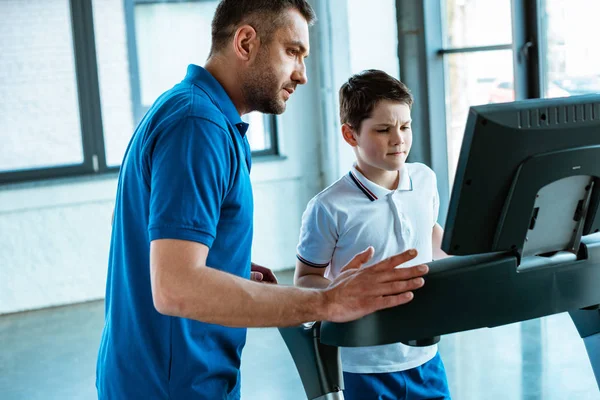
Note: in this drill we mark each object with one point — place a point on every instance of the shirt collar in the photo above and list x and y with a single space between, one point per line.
205 81
372 190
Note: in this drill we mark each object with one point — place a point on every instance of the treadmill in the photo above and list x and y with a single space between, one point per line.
523 226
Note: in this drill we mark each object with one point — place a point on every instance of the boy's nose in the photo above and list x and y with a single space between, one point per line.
396 137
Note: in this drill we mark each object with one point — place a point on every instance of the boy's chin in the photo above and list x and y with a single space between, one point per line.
396 165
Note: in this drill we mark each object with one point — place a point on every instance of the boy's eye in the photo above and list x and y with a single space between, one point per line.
383 130
293 52
405 128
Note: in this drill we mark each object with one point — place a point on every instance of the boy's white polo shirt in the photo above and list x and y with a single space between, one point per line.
354 213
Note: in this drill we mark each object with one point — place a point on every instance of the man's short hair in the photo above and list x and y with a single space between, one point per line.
361 93
265 16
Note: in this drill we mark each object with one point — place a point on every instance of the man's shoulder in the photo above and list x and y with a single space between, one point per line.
181 113
203 106
191 101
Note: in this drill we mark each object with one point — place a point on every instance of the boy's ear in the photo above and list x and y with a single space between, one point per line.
349 135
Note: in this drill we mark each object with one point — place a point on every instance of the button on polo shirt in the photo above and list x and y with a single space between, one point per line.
354 213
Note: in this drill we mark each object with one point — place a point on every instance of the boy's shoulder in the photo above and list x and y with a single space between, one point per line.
421 173
331 195
419 168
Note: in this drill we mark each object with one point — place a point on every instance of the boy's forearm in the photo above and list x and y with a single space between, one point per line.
312 281
216 297
436 239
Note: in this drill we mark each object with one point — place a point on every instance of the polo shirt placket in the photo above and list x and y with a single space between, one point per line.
403 230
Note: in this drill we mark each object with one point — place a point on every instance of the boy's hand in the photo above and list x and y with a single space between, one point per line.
262 274
358 291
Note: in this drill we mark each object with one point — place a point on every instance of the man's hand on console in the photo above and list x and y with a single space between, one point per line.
358 291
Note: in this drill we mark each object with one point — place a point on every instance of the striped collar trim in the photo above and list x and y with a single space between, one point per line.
372 190
371 196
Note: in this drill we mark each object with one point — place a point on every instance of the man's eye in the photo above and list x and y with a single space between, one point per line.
293 52
406 128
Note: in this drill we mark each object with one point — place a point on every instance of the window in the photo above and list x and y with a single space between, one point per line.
570 60
75 81
471 52
40 124
478 60
368 20
165 37
553 55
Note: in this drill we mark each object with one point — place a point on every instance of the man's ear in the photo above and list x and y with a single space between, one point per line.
245 42
349 135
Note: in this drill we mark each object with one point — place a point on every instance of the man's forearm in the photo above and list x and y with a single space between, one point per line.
183 286
213 296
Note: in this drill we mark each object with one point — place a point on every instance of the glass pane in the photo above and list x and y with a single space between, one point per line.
113 73
257 132
169 37
473 79
478 23
39 110
368 20
570 56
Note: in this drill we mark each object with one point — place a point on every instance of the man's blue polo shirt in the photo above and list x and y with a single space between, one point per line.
185 176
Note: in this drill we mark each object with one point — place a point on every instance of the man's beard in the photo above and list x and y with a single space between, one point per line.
260 90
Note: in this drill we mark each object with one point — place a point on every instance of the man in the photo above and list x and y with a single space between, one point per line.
178 296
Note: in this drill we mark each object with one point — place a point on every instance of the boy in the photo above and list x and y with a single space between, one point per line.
385 202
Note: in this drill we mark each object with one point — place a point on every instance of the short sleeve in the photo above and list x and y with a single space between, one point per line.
318 236
190 169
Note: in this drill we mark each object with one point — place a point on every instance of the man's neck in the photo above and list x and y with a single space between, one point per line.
227 77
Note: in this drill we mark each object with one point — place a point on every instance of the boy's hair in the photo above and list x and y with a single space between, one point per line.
265 16
364 90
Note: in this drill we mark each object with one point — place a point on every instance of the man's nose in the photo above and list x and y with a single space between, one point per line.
299 75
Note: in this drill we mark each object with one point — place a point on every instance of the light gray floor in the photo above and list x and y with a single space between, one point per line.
51 354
